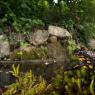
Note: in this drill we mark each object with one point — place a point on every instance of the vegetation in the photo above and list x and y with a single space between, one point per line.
24 16
73 82
36 53
26 84
78 16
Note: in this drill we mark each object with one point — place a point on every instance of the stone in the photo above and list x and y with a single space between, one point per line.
52 39
15 39
55 50
92 43
59 32
39 37
4 46
27 49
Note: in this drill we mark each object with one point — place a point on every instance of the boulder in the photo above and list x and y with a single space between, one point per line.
92 43
39 37
55 49
52 39
59 32
4 46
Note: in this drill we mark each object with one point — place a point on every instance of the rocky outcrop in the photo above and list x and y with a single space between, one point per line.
39 37
40 44
59 32
4 46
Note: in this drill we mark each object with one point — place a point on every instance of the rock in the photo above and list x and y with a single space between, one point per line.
52 39
27 49
4 46
39 37
55 49
27 37
59 32
15 39
92 43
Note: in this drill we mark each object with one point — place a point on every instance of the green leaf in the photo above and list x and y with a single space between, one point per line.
91 87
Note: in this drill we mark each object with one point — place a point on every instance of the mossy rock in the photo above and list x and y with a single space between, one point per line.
55 49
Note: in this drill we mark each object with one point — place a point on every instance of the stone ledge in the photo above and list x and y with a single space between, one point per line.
49 61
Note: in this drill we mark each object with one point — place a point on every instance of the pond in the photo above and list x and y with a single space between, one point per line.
44 68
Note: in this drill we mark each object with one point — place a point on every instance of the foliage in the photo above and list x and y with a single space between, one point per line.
15 71
18 14
26 84
76 82
71 46
23 15
72 82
